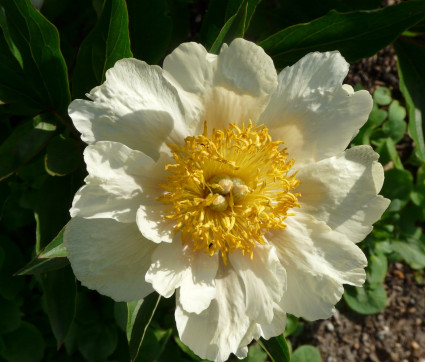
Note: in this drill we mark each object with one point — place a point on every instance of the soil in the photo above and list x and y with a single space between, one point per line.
397 334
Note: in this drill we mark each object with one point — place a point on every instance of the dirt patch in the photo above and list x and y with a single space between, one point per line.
396 334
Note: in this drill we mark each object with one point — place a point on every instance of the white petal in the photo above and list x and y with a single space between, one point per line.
264 280
247 67
135 105
276 326
168 267
317 262
218 330
113 187
342 191
109 256
198 287
312 112
192 67
152 225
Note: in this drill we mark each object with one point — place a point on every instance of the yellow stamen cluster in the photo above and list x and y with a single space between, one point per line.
215 214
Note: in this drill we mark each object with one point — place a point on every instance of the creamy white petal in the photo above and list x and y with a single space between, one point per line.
109 256
312 112
276 326
135 105
192 67
168 267
342 191
220 329
113 188
247 67
152 225
317 261
198 287
264 280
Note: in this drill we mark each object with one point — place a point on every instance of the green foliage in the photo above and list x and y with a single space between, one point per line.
41 305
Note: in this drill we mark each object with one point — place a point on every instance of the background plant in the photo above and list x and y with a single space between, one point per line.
48 58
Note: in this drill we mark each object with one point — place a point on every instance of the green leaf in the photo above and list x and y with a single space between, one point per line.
306 353
291 324
55 249
255 354
412 251
395 127
382 96
356 35
397 185
151 28
10 285
24 143
392 152
59 293
411 57
366 300
108 42
376 269
33 72
37 266
140 314
10 315
97 342
25 344
233 28
276 348
63 156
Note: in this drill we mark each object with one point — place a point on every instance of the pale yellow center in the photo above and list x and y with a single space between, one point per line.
227 189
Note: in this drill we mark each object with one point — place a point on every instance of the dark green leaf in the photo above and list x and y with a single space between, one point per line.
150 29
233 28
97 342
356 35
10 285
108 42
25 344
32 70
25 142
366 300
397 184
37 266
411 57
140 314
276 348
306 353
291 324
10 315
63 156
59 293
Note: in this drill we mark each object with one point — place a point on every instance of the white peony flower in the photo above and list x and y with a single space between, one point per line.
226 183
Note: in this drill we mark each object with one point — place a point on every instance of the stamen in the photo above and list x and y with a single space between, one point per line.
227 189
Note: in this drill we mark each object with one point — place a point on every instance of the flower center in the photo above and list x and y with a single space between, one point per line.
227 189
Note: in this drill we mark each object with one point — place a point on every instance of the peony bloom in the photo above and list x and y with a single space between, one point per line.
219 180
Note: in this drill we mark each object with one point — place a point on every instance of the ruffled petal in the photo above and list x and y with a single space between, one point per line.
113 188
220 329
198 287
192 67
342 191
174 266
317 261
135 106
312 112
110 257
168 268
264 280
